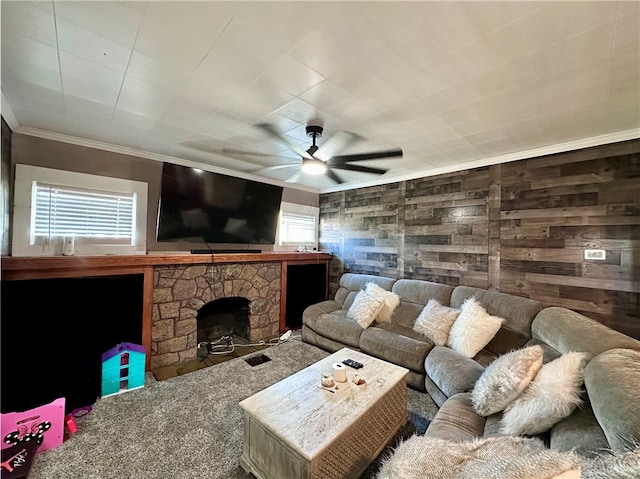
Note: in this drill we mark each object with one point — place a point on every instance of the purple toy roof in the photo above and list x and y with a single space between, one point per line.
122 347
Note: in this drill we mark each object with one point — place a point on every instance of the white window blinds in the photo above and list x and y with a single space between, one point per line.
297 229
85 213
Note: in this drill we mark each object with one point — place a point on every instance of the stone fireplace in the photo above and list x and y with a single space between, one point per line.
180 291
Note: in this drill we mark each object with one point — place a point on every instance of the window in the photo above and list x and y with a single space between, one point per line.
85 214
297 226
104 215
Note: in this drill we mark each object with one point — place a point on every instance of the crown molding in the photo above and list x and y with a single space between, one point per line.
520 155
8 115
149 155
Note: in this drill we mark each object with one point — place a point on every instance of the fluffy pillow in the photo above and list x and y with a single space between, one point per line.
435 321
391 301
505 379
472 329
551 396
364 308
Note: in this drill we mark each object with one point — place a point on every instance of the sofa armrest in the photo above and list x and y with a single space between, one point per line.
312 313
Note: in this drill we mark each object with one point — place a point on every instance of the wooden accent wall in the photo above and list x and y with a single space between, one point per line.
519 227
553 208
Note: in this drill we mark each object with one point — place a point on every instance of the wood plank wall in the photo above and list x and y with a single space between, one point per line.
520 227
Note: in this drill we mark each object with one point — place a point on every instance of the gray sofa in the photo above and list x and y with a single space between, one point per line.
326 325
609 418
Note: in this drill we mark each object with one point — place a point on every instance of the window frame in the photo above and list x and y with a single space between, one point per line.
26 176
298 209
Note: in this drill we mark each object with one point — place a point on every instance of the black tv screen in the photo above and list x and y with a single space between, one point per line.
205 207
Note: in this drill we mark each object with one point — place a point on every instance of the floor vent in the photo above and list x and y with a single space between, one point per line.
258 359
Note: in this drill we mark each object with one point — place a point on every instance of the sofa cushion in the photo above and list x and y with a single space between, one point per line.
414 295
365 308
473 328
451 371
390 302
612 379
457 420
338 327
579 432
552 395
397 344
351 283
435 321
505 379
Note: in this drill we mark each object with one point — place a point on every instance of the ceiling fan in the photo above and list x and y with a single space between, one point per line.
317 160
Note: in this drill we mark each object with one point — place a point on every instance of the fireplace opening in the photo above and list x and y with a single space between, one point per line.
219 322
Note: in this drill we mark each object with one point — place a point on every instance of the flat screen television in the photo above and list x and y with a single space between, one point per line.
205 207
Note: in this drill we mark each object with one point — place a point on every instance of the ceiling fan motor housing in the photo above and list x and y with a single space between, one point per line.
314 131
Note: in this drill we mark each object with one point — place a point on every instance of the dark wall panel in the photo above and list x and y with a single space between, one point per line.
519 227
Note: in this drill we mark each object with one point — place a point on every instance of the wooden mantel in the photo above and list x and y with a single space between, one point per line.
44 267
38 267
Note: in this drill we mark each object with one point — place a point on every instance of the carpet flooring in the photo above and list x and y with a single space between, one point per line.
188 426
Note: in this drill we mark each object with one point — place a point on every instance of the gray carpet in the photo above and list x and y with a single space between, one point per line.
186 427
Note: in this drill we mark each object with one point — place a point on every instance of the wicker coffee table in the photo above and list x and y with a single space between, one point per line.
294 430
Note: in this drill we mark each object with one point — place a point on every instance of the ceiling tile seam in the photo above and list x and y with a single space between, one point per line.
613 52
126 69
197 129
55 26
478 39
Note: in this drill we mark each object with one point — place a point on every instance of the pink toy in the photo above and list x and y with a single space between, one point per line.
43 425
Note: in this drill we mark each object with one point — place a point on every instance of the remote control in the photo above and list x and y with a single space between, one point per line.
352 363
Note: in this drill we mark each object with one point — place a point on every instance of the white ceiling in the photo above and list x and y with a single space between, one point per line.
454 84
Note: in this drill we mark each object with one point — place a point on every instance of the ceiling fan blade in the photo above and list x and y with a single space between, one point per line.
342 159
232 151
340 141
293 178
274 167
270 129
364 169
331 174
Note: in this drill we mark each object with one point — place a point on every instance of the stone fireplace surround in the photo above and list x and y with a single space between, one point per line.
180 291
168 315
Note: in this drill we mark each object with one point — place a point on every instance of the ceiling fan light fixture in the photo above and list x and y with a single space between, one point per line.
313 166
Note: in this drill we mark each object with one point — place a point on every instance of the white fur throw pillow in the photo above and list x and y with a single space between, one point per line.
505 379
472 329
391 301
364 308
435 321
551 396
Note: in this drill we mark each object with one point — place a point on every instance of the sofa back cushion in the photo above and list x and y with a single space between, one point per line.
518 313
351 283
414 295
566 330
612 379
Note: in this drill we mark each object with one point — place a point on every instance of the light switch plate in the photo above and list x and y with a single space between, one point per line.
598 254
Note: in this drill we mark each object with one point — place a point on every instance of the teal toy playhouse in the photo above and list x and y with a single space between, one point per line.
123 368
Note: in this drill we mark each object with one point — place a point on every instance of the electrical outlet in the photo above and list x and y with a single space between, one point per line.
597 254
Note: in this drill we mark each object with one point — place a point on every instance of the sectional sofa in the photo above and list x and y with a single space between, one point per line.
608 418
